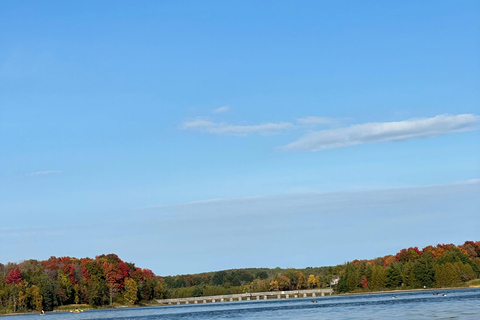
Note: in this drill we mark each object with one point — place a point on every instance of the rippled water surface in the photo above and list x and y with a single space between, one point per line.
457 304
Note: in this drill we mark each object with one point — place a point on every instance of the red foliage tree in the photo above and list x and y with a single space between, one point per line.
140 275
364 282
115 274
85 273
148 274
14 276
51 264
471 249
69 270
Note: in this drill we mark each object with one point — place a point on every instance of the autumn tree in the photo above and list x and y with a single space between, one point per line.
284 282
364 282
274 286
312 281
14 277
302 281
36 297
131 288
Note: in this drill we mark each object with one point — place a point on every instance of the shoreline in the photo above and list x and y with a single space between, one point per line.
333 295
403 290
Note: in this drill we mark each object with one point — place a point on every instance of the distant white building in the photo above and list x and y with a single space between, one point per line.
334 280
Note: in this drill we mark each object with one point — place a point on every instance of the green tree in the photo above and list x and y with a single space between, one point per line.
261 275
394 276
218 278
292 275
378 278
342 284
424 270
197 292
353 277
47 290
97 291
468 272
408 276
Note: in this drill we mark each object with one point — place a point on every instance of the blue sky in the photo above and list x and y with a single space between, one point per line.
191 136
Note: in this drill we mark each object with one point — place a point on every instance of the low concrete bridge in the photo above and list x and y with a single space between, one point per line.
250 296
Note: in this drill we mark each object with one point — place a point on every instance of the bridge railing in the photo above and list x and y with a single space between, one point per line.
250 296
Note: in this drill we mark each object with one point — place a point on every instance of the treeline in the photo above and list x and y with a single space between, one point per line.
248 280
106 280
44 285
433 266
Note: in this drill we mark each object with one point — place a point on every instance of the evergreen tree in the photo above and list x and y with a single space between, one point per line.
424 270
378 278
394 276
408 276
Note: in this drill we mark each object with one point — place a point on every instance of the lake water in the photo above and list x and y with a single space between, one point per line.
457 304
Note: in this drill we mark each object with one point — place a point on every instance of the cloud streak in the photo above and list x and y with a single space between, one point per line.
221 109
313 120
222 128
384 131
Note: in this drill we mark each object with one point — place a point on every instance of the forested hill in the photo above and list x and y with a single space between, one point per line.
443 265
44 285
107 280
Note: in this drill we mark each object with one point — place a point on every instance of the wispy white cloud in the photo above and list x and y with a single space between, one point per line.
384 131
324 203
38 173
230 129
312 120
222 109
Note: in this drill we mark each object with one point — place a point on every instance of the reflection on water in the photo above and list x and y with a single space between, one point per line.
449 304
